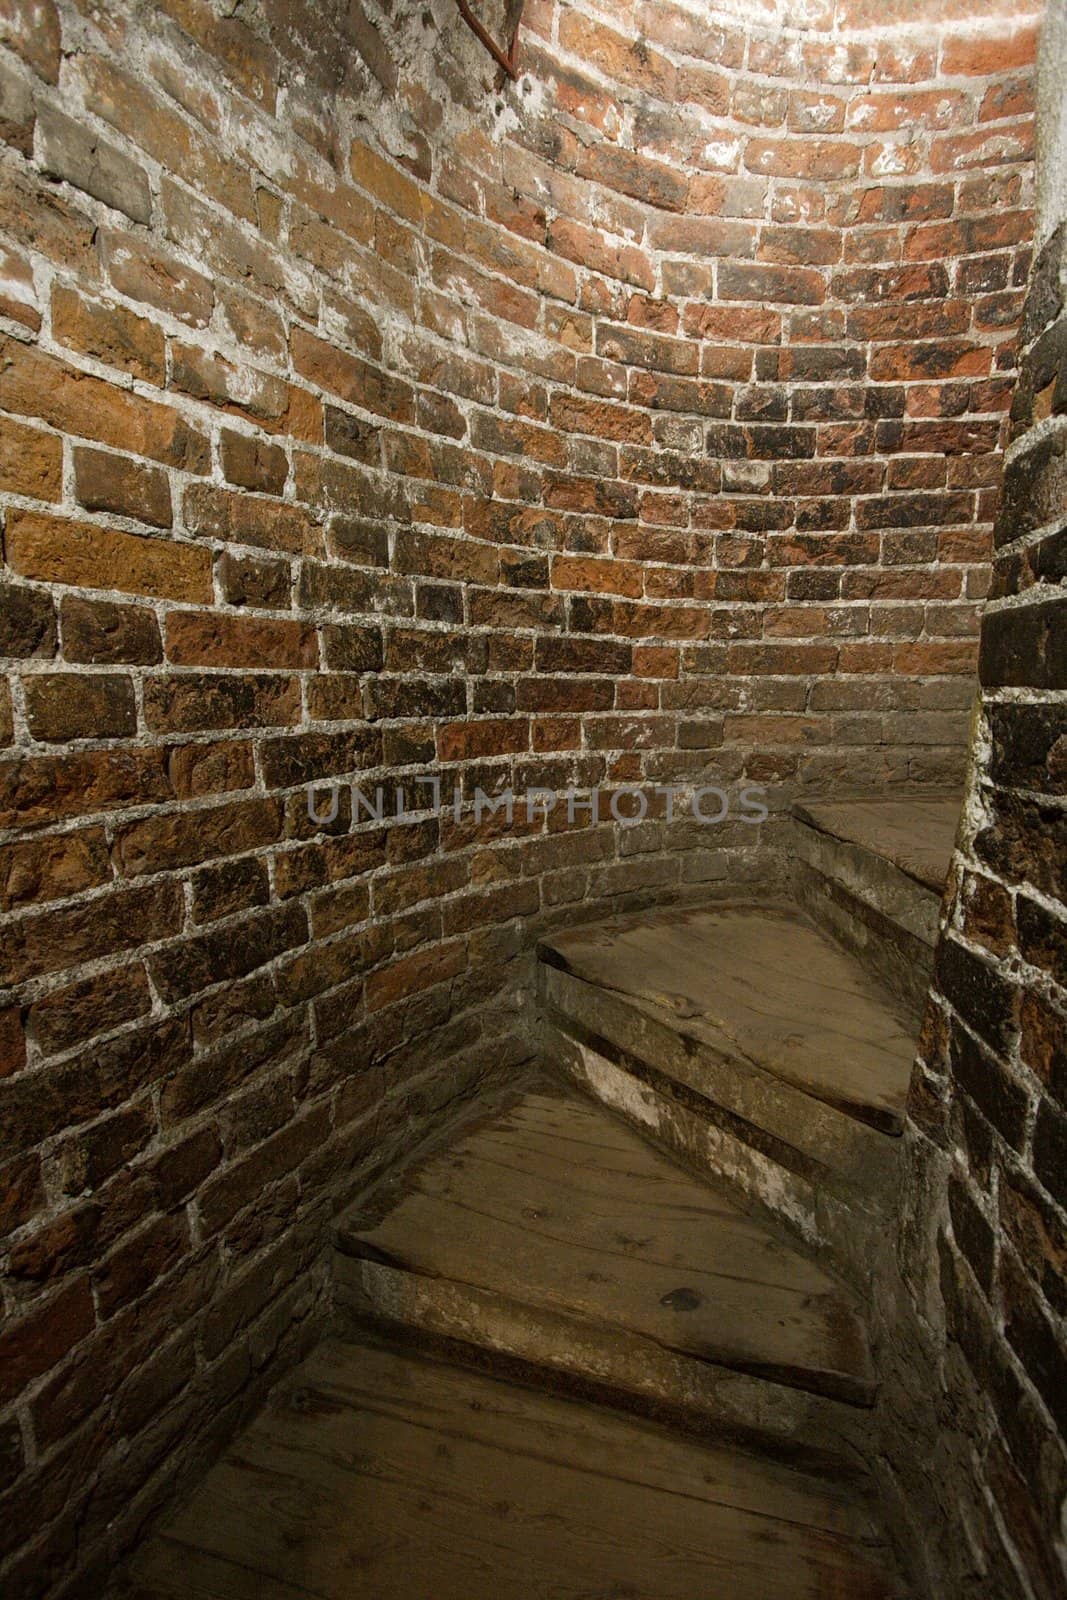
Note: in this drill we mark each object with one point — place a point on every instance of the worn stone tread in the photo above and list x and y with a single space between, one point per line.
391 1476
557 1206
762 988
915 834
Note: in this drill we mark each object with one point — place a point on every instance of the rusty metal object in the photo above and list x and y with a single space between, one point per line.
506 60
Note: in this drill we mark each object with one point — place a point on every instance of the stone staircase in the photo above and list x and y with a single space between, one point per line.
645 1270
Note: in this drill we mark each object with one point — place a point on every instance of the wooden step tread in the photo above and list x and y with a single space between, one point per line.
916 834
762 987
556 1205
390 1476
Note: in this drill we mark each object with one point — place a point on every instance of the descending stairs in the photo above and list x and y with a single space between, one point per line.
609 1339
373 1476
553 1241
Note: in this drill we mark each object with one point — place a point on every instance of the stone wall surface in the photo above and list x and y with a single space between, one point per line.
362 417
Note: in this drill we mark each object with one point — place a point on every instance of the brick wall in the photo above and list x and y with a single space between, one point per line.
984 1248
637 424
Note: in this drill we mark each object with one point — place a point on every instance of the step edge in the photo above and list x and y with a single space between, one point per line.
840 1463
857 1393
882 1121
801 814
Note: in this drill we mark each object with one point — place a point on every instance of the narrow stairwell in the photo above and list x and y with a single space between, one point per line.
609 1338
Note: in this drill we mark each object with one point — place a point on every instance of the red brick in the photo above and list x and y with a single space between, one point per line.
202 638
462 741
58 551
985 55
33 384
33 1344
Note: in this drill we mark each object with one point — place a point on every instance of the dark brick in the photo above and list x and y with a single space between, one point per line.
254 581
987 1082
1035 488
1050 1151
32 1344
1042 941
253 463
1029 746
1025 842
233 886
182 969
105 482
105 633
987 1001
178 1171
27 622
67 705
972 1233
1035 1341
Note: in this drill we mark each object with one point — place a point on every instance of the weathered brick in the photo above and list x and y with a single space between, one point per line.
27 622
70 150
110 333
210 376
241 519
49 941
181 838
128 488
69 705
12 1040
254 581
76 1012
106 633
31 28
31 461
233 886
55 550
151 274
35 789
33 384
202 638
32 1344
195 702
253 463
181 969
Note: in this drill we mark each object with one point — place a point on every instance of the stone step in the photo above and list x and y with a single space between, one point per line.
379 1473
747 1042
872 872
555 1244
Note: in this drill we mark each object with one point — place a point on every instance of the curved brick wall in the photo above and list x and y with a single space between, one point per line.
637 424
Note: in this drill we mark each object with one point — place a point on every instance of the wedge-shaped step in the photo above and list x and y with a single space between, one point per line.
873 873
382 1475
747 1042
761 988
555 1237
